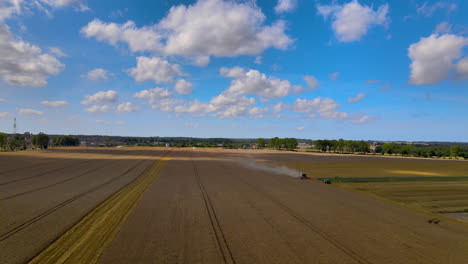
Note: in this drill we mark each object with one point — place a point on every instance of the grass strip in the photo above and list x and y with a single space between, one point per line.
395 179
85 242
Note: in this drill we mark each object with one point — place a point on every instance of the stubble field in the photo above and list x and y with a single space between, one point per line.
148 205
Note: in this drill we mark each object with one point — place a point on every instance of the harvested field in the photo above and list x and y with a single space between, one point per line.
206 206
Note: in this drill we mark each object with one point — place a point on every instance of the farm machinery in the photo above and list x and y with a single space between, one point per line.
303 176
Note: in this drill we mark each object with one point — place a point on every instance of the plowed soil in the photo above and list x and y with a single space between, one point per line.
203 206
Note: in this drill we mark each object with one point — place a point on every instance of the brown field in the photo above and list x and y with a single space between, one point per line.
127 205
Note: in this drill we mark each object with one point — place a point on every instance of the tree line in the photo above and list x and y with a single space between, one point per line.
342 146
420 151
40 141
278 143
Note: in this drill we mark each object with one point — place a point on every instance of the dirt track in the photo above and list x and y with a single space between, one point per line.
206 208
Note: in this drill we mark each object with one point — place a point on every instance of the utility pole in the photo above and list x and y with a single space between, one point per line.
14 126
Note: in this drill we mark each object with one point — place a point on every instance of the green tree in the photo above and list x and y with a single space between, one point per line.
363 146
40 140
456 150
3 141
261 143
406 150
290 143
16 142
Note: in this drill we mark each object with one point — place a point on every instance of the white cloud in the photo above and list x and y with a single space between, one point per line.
312 83
372 81
300 128
359 97
351 21
433 57
57 52
2 100
385 87
10 7
285 6
428 10
103 122
153 95
54 103
205 28
334 76
183 87
24 64
98 109
255 83
317 104
462 69
110 96
5 114
443 27
155 69
166 104
366 119
335 115
138 39
258 60
29 112
98 74
126 108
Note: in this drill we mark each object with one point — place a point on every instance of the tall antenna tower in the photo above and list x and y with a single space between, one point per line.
14 126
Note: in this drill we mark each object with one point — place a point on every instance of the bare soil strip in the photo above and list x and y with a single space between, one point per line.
31 221
217 229
85 242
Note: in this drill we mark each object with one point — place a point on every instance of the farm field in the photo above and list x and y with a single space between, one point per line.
206 206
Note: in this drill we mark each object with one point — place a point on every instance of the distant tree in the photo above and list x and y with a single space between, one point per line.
406 150
390 148
66 141
40 140
275 143
16 142
340 145
456 150
3 141
261 143
363 146
290 143
351 145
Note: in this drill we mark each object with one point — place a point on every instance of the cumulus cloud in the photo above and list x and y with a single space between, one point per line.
206 28
312 83
24 111
153 94
300 128
334 76
98 109
443 27
80 4
24 64
183 87
256 83
462 69
351 21
317 104
54 103
335 115
57 52
154 69
126 108
102 97
284 6
433 57
428 10
98 74
366 119
359 97
5 114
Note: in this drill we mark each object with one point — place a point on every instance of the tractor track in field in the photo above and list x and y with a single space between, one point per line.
215 225
305 222
44 173
40 216
53 184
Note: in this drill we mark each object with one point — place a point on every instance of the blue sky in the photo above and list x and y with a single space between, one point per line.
385 70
